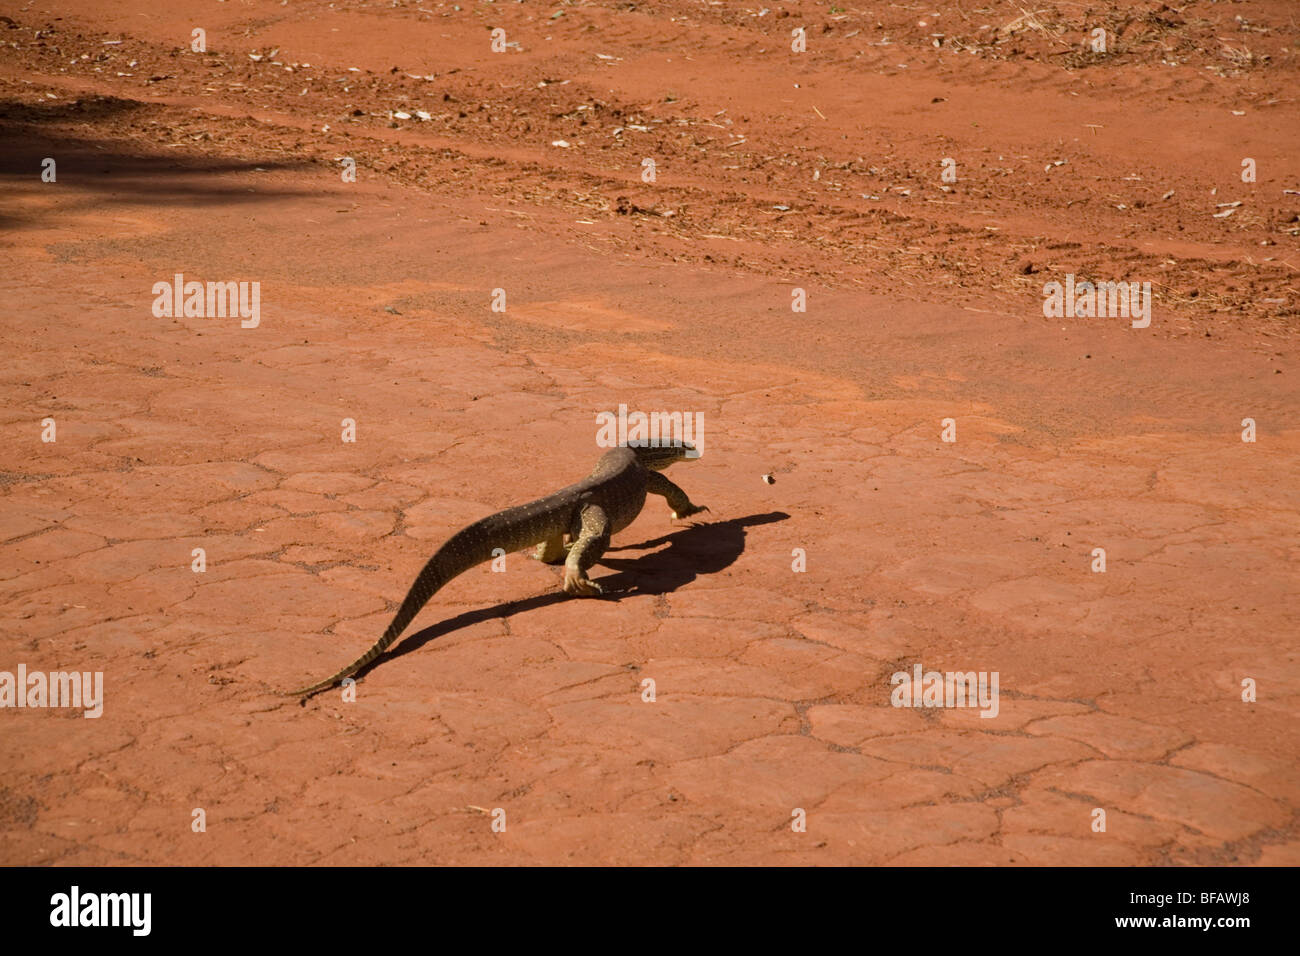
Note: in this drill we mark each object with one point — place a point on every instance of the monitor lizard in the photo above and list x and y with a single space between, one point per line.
606 501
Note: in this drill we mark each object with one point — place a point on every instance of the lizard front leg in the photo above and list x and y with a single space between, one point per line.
589 544
658 484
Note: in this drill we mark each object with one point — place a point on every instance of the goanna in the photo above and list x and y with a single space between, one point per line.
606 501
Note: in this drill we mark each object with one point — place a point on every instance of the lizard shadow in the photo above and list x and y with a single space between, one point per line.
697 549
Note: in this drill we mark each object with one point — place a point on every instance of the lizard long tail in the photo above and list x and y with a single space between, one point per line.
432 577
507 531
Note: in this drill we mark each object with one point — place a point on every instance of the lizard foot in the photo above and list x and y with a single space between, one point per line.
581 585
689 510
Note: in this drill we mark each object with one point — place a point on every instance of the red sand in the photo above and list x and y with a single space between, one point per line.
1120 691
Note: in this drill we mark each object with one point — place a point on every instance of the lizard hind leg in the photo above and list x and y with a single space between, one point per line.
552 550
589 543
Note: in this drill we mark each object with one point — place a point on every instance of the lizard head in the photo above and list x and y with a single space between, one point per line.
659 456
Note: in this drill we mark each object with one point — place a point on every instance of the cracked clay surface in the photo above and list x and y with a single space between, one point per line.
1119 690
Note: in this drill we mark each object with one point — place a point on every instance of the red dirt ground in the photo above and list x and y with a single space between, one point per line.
821 170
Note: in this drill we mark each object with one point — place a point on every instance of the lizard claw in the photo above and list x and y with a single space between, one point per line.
581 585
689 510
